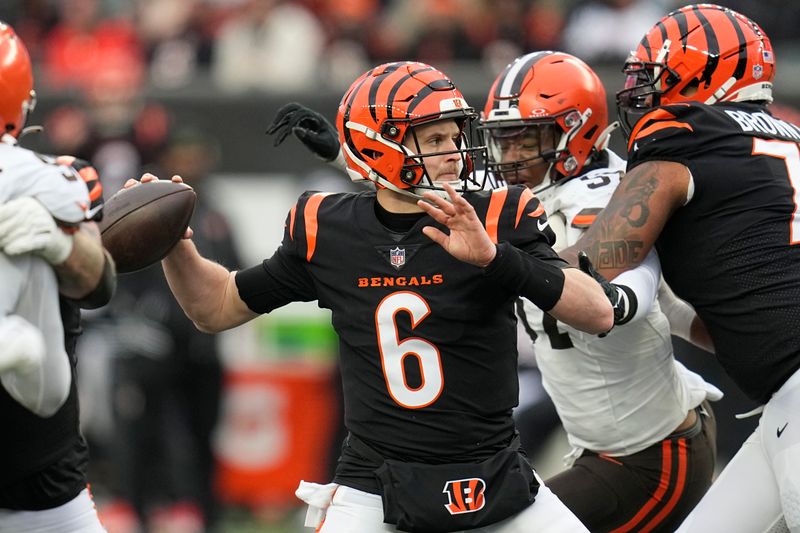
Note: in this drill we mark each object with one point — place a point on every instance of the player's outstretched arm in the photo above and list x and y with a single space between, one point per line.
567 294
624 232
205 290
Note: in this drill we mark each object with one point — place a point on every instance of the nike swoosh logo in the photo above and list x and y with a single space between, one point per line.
542 226
90 213
780 430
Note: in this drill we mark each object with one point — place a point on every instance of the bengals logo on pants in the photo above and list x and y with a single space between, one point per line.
465 495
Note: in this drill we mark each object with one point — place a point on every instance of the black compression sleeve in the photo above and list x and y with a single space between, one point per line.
539 281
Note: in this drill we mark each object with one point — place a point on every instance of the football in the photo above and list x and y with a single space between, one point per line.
141 224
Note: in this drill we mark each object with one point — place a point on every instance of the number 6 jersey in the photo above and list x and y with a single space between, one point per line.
427 343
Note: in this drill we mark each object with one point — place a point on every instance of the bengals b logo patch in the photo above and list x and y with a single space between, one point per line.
465 495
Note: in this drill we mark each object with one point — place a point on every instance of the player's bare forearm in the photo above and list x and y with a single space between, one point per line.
205 290
583 305
627 228
82 271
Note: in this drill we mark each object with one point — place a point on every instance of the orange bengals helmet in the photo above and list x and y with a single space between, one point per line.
554 97
17 97
382 107
702 52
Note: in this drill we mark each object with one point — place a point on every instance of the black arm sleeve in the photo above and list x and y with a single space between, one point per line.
538 280
274 283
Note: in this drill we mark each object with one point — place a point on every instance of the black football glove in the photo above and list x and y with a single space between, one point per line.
622 298
310 128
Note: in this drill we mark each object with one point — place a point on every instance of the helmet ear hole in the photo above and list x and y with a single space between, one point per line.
372 154
691 88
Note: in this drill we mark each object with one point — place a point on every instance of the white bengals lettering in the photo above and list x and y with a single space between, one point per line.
764 123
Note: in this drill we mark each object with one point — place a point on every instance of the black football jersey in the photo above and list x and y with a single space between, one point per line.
427 343
733 251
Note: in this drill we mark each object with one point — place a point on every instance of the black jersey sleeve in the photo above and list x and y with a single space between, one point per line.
284 277
526 263
668 133
516 216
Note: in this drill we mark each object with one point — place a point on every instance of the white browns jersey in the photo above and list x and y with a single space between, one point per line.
618 394
30 290
59 188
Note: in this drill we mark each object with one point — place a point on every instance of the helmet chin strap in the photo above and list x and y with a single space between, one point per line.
30 129
720 93
605 136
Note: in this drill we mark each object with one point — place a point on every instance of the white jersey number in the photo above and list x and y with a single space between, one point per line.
395 351
788 151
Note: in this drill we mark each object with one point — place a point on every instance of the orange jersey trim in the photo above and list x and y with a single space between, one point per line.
310 217
656 114
496 202
583 220
292 214
524 200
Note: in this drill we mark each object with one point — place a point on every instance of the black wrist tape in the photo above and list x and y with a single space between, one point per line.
539 281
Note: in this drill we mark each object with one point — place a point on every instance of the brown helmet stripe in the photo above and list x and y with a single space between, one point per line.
520 72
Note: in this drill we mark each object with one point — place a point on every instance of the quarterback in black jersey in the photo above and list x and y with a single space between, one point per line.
712 184
422 294
43 459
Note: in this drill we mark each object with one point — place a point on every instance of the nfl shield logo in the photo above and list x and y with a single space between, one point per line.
397 257
758 71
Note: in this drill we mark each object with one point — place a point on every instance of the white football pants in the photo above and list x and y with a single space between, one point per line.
352 510
759 489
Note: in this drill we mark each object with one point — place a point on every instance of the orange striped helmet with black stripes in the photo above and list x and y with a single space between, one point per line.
702 52
17 97
381 109
545 108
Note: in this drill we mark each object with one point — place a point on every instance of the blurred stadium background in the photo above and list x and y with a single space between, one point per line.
117 78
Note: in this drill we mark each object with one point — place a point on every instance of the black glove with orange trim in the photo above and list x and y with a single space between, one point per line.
311 128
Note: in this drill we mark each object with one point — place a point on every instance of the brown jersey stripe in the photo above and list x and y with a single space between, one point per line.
310 218
496 202
583 221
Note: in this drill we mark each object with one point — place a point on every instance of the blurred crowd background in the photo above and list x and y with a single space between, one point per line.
194 433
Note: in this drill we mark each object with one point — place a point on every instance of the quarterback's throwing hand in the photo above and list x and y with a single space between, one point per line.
311 128
468 240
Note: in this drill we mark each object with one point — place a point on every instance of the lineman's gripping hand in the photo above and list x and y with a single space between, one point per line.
26 226
310 128
616 294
